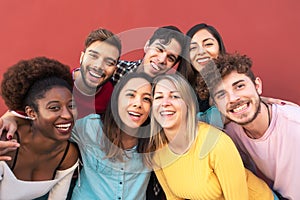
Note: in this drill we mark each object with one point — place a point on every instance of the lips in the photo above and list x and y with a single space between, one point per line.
153 65
202 60
135 116
239 108
167 113
99 74
64 128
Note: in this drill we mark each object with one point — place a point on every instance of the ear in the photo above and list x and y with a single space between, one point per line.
30 112
258 85
81 57
146 47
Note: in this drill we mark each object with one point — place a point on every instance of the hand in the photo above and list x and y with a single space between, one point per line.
270 100
7 146
8 124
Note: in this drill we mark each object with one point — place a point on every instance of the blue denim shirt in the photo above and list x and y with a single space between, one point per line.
104 178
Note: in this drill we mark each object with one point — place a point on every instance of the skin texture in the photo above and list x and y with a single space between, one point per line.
160 58
203 47
135 102
98 63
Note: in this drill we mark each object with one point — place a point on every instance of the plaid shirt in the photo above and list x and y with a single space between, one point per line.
123 68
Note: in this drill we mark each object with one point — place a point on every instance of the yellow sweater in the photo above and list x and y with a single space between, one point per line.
209 170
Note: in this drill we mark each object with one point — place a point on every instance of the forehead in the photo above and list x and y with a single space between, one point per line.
58 92
104 49
173 46
165 85
201 35
229 80
137 84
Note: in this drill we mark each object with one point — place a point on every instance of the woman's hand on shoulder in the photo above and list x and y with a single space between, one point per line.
7 146
270 100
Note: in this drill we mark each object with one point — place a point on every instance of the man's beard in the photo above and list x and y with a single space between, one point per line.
85 82
257 111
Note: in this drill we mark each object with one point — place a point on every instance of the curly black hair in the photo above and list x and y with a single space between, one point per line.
19 78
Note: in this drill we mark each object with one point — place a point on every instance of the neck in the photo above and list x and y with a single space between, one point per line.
128 141
178 141
32 140
257 128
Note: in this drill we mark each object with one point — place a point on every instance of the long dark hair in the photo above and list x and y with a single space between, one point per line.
111 143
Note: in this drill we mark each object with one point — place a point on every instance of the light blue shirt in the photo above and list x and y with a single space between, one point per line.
211 116
103 178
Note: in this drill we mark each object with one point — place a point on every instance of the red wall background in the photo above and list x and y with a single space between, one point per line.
268 31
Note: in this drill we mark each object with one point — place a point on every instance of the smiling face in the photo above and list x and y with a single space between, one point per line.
160 58
98 63
56 114
134 102
237 97
169 109
203 47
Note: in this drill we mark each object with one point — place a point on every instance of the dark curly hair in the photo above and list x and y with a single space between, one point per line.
19 78
220 67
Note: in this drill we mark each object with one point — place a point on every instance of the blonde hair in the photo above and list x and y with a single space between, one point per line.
157 136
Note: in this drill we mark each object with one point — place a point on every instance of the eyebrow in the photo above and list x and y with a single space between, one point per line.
96 52
233 84
132 90
205 40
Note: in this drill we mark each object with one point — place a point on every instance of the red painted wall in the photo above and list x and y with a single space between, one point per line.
268 31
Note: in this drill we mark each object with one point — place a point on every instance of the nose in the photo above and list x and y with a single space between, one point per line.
165 102
137 102
233 97
99 64
162 57
201 50
66 113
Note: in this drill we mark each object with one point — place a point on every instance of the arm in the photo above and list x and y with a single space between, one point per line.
10 123
229 169
277 101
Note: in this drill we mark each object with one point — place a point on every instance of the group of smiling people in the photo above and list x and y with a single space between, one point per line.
153 122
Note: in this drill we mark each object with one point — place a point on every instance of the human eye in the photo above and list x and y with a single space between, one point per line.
129 94
54 108
111 63
156 97
93 55
240 86
159 49
193 47
175 96
220 95
147 99
172 58
72 105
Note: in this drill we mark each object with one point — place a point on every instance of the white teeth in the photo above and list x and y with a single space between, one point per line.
155 66
134 114
63 127
240 108
96 74
202 60
167 113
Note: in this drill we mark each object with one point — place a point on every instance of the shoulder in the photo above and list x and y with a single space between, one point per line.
288 112
128 64
71 157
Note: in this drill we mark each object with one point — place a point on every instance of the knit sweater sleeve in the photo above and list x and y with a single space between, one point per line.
229 169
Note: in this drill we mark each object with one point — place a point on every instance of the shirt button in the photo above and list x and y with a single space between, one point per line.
120 183
122 168
119 197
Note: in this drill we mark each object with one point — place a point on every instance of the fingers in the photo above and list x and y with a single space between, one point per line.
7 146
5 158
